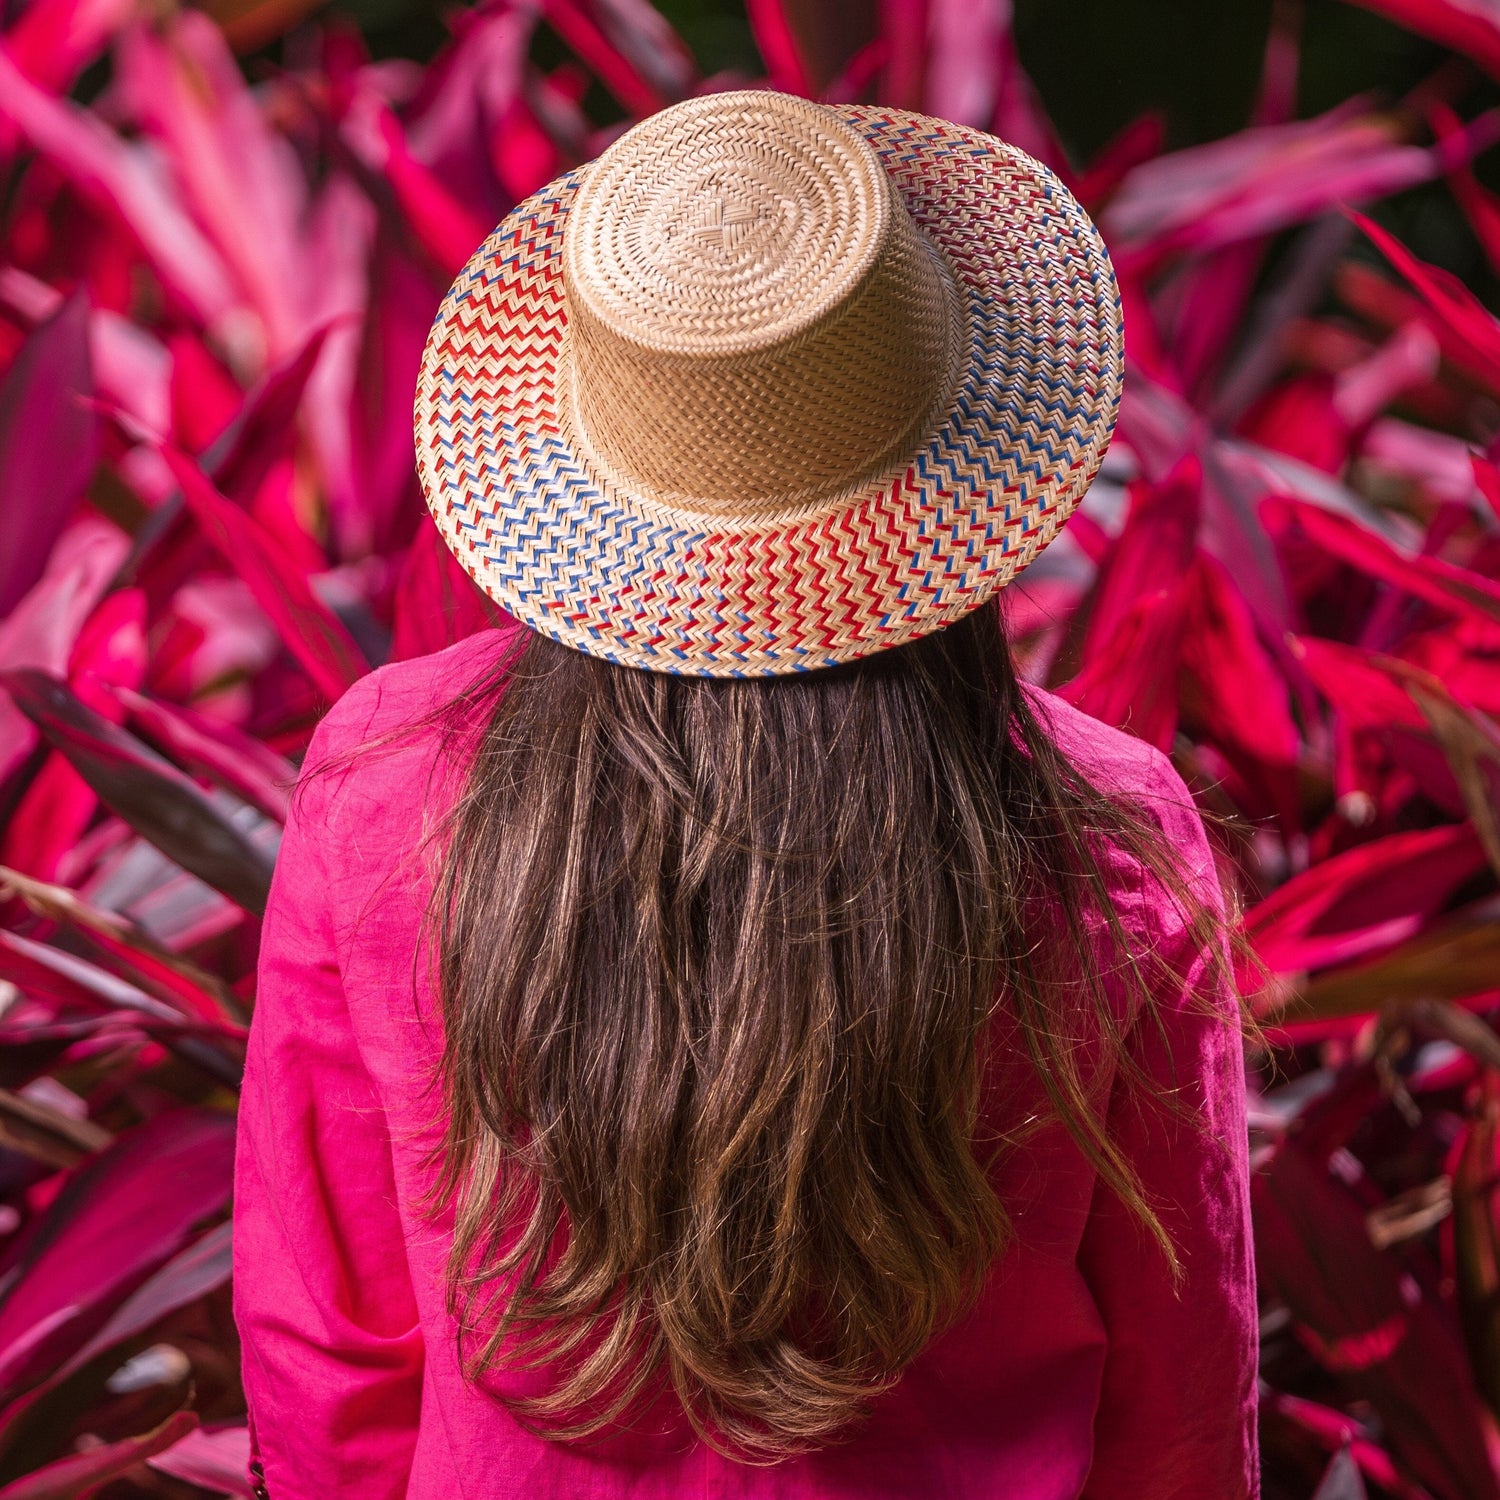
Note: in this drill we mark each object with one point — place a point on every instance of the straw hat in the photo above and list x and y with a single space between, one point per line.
770 385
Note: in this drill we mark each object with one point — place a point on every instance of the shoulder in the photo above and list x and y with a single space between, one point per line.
1129 769
401 694
375 764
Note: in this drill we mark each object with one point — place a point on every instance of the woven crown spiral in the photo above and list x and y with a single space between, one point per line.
751 329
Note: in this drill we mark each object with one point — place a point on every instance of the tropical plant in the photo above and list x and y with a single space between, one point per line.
212 302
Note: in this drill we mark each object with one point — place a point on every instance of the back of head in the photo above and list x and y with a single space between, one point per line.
717 959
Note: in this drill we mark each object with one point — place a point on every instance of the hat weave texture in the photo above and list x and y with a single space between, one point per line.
770 386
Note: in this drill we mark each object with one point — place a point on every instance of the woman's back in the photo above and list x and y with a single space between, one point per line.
1078 1369
737 1047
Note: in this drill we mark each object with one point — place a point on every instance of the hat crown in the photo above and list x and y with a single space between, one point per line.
755 323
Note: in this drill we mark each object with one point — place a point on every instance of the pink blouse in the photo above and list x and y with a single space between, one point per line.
1081 1371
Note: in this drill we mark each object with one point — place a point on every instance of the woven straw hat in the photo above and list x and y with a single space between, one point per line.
770 385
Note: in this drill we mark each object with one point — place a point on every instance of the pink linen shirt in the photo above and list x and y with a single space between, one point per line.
1081 1372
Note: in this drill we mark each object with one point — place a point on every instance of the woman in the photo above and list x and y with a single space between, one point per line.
722 1035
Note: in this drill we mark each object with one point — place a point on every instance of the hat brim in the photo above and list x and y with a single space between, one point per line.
623 576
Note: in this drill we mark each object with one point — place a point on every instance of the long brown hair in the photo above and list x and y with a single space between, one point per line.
716 960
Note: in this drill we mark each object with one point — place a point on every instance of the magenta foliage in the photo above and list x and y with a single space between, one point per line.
121 1216
1469 27
47 444
213 298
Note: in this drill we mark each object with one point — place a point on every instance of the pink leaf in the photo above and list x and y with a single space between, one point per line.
219 751
403 301
122 1214
110 650
47 445
194 1272
965 60
191 1274
471 86
441 224
1364 899
778 46
1143 138
1268 177
1298 417
131 367
122 178
524 155
82 1473
340 254
55 39
1408 358
148 792
1145 347
1463 656
42 628
1481 207
1442 584
1276 101
1241 695
241 180
1377 299
1367 697
1130 680
265 427
214 634
1462 313
205 397
311 632
133 955
217 1460
1440 464
48 820
1469 27
176 909
1154 549
1421 1385
1487 477
1233 532
71 985
1341 1433
1178 612
437 603
645 39
1210 308
617 72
